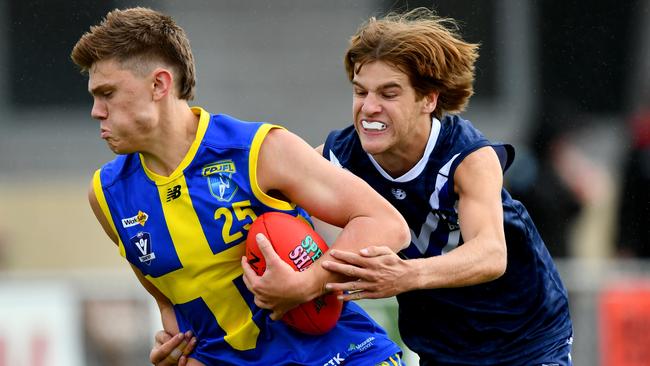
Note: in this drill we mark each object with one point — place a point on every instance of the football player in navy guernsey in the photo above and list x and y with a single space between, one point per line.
186 185
476 285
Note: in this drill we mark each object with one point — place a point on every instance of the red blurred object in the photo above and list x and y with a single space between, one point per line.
624 320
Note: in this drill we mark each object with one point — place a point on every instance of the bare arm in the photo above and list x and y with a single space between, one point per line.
290 166
179 345
482 257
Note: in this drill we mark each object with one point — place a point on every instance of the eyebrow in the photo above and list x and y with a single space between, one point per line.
100 88
388 85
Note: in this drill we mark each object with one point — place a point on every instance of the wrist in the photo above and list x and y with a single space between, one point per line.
415 272
314 283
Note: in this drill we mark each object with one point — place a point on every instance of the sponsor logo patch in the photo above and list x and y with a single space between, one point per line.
140 219
398 193
219 175
142 241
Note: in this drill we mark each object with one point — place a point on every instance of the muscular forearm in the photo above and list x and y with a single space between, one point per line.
168 318
355 236
469 264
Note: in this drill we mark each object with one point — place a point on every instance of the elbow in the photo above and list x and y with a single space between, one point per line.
498 262
402 232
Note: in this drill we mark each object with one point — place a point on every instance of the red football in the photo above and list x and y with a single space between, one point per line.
298 245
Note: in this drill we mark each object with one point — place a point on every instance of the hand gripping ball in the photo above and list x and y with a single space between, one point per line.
299 246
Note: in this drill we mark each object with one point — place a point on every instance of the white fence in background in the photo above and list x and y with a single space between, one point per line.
102 318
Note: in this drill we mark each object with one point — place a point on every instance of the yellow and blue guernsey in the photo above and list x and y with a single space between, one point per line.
186 234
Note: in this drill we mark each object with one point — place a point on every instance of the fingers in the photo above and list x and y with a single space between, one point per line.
267 249
363 259
174 355
161 337
169 352
347 257
375 251
191 343
277 315
161 352
351 287
348 270
249 273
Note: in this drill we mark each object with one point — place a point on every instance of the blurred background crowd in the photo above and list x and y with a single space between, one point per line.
567 83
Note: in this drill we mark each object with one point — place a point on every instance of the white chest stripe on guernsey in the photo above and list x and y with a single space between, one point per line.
422 240
334 160
414 172
441 179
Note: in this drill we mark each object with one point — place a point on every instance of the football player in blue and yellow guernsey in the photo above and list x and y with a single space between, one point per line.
184 188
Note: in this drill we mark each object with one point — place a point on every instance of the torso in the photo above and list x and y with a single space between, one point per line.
186 234
470 323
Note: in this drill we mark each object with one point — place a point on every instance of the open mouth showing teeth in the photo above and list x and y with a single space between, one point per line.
378 126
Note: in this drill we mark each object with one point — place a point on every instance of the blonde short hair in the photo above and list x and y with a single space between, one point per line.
138 38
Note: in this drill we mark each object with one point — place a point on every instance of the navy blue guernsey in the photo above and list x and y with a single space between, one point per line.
506 321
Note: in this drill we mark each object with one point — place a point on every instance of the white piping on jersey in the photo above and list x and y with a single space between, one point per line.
334 160
441 179
422 241
452 242
419 167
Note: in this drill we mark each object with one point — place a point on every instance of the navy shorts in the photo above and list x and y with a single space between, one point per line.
560 355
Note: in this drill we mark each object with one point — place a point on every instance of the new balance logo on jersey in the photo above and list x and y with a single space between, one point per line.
173 193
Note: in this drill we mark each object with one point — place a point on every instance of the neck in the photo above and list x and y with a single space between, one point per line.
402 157
397 164
175 133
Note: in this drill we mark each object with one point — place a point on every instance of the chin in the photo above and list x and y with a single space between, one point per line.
118 150
373 148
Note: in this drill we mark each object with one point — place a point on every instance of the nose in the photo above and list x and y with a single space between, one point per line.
371 104
99 110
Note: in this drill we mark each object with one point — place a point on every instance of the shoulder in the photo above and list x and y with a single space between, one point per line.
463 139
341 135
227 130
340 144
120 167
460 130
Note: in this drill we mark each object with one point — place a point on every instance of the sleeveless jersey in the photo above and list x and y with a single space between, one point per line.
186 234
505 321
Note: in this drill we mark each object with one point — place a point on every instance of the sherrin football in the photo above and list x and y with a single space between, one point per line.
298 245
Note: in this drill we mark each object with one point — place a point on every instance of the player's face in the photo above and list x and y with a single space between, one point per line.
389 118
122 104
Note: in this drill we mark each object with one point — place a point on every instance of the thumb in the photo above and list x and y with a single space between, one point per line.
375 251
267 249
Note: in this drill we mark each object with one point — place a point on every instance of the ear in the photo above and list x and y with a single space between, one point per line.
163 83
430 102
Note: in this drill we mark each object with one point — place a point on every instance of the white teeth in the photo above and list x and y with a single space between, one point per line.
380 126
